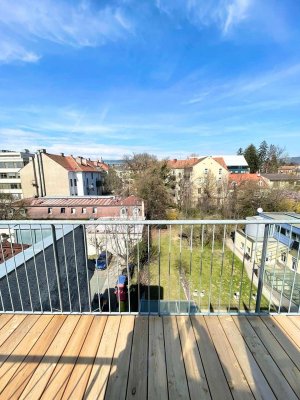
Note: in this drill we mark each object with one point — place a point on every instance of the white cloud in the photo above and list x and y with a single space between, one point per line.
11 51
225 14
24 23
236 11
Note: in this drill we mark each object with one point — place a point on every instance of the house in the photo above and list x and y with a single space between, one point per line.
193 175
236 164
236 180
283 249
61 175
282 181
11 163
84 207
289 169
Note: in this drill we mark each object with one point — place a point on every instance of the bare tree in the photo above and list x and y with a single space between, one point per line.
10 208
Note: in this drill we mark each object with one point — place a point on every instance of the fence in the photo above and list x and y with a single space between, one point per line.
166 267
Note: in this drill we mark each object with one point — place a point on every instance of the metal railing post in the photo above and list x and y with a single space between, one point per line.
262 269
56 263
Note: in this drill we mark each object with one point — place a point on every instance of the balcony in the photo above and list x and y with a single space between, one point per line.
200 319
140 357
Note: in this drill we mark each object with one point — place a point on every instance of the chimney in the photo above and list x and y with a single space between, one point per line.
175 160
83 161
62 154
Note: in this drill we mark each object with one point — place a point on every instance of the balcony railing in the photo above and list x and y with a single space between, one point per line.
148 267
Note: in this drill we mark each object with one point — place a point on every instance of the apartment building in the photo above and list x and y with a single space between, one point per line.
11 162
61 175
195 174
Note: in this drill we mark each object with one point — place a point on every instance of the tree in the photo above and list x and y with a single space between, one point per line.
151 180
239 152
262 154
113 183
251 157
275 157
10 208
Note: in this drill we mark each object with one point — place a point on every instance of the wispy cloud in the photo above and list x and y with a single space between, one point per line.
225 14
23 23
235 12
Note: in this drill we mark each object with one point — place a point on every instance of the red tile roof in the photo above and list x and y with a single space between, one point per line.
220 161
79 164
239 178
181 164
11 249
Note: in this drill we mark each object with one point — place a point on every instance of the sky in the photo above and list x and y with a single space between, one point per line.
106 78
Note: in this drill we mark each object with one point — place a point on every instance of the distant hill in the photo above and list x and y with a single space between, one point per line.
294 160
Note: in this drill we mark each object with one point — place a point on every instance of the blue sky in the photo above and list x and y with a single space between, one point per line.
170 77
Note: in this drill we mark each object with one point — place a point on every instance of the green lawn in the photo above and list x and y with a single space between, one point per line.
226 276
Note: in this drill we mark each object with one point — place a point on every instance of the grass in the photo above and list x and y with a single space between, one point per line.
226 271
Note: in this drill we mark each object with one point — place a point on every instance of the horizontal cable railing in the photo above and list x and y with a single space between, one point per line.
150 267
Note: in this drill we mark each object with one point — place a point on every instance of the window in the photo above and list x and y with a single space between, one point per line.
92 175
83 210
220 171
136 211
283 256
199 190
87 181
2 176
206 171
73 210
123 212
75 182
49 210
71 182
94 210
63 210
242 246
248 250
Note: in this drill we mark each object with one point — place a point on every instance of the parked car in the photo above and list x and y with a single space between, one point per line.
103 260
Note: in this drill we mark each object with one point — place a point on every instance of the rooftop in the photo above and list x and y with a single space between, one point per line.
8 249
281 177
141 357
73 201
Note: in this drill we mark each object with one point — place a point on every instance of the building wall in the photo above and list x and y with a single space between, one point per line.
36 271
11 163
207 169
56 178
86 212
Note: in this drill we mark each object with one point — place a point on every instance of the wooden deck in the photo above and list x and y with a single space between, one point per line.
127 357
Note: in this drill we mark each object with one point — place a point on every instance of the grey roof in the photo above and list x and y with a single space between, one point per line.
281 177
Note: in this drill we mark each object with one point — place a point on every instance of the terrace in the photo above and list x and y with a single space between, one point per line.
201 320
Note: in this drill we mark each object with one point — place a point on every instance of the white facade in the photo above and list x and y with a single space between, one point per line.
10 164
85 183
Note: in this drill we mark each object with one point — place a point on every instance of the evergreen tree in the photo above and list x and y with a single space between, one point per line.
262 155
251 156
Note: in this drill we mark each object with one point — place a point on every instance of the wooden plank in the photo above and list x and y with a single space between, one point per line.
286 365
256 380
42 374
17 356
117 382
157 377
63 369
10 326
281 336
81 372
290 328
235 377
296 320
217 382
26 369
177 382
98 379
272 373
193 365
4 318
137 379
